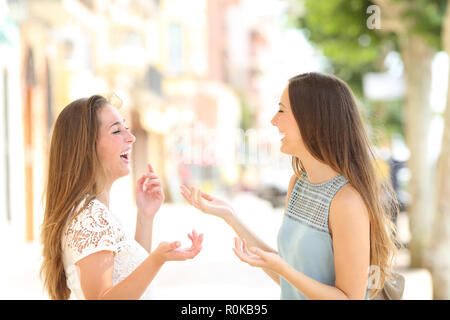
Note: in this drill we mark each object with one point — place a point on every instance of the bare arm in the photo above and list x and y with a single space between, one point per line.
144 231
149 198
96 270
223 210
253 240
350 225
96 277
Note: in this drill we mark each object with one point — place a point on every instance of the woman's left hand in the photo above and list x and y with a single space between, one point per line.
149 194
257 257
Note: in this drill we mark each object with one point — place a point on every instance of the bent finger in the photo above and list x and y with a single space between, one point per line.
140 183
187 198
185 189
239 254
207 196
153 182
244 246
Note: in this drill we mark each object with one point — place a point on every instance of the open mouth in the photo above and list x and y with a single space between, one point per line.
125 156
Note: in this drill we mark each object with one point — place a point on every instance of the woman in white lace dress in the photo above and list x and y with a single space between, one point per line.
86 253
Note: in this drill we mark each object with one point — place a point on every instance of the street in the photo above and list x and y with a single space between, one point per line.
216 273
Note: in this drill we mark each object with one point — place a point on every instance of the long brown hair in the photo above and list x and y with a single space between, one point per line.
333 132
73 167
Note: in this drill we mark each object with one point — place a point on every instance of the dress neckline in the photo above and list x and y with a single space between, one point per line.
305 177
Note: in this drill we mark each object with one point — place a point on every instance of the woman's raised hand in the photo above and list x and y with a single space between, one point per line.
169 251
149 193
206 203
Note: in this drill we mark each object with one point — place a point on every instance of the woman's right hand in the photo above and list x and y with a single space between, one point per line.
213 205
168 251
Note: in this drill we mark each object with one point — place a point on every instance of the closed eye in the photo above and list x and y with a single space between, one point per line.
118 131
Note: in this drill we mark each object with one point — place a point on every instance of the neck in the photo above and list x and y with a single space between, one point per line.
104 195
318 172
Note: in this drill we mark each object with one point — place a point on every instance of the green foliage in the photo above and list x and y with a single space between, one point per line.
339 29
427 16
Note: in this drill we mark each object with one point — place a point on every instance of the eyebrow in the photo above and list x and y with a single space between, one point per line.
117 122
280 104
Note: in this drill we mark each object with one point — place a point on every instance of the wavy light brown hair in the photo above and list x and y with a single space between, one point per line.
73 169
333 132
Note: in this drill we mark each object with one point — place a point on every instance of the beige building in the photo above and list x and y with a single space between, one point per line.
164 60
60 51
201 113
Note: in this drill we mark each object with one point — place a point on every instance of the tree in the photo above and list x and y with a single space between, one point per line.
440 249
418 41
339 28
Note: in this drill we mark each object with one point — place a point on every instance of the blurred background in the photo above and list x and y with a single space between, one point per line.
198 82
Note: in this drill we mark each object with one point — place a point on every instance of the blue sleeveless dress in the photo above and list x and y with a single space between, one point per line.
304 240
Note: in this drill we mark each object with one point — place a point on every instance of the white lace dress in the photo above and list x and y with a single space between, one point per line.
96 229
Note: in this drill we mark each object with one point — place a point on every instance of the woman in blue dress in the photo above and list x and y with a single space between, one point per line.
336 233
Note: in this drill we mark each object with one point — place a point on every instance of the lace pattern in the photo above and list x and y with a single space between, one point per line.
91 231
96 229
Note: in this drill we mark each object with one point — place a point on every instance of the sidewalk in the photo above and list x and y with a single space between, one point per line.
216 273
19 279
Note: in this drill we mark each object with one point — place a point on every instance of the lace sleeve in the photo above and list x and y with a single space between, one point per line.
91 231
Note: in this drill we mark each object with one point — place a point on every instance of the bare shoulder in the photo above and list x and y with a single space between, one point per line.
348 198
348 207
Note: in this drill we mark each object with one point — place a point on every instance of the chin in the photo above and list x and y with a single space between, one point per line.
123 173
286 151
126 172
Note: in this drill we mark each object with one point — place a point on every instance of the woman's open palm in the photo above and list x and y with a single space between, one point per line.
206 203
170 251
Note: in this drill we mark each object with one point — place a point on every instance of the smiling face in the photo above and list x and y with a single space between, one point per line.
291 142
114 143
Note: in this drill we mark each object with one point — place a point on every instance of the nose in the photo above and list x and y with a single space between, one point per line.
131 138
273 121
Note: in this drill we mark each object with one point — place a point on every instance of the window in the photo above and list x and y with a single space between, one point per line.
175 48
